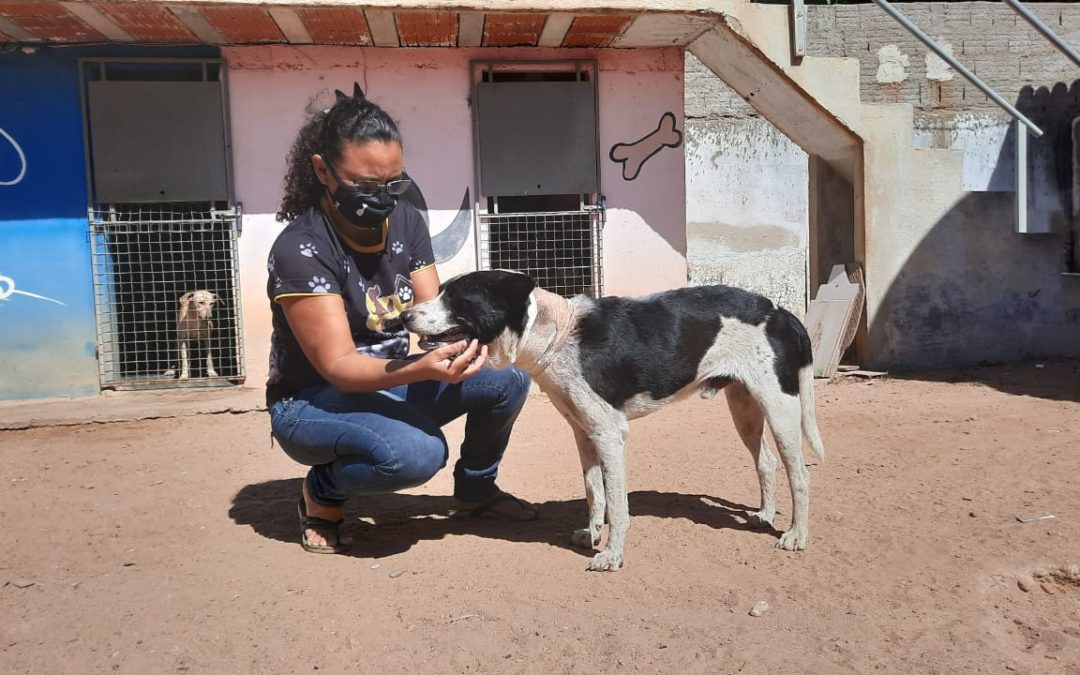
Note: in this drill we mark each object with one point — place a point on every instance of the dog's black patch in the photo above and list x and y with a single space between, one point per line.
487 302
791 344
654 345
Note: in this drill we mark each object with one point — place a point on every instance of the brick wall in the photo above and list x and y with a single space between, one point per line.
987 37
708 98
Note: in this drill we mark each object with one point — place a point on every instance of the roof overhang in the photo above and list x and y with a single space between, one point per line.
714 35
378 23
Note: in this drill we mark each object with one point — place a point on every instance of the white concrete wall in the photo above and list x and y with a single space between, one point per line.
987 140
746 209
427 91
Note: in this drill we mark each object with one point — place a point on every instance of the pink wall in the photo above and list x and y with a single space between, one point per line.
427 91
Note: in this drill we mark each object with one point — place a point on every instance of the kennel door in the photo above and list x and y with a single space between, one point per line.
157 141
537 138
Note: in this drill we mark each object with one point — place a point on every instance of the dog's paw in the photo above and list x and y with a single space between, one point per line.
605 561
794 539
761 519
211 373
585 538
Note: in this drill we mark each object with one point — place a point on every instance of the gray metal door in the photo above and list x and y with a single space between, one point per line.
537 154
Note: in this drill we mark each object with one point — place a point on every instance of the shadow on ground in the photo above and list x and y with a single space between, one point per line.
1055 380
402 520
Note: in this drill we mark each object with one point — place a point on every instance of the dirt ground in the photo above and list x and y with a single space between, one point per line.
171 545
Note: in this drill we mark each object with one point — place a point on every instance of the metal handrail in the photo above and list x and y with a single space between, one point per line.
959 67
1050 35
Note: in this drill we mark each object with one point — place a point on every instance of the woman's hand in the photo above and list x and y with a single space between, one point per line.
455 363
322 329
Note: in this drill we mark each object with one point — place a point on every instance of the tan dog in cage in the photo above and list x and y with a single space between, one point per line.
194 325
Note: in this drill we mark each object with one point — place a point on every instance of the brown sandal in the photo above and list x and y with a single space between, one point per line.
329 529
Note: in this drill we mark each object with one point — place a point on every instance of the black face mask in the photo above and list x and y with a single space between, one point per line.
362 209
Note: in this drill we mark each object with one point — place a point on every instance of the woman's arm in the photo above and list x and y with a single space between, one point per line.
322 329
425 283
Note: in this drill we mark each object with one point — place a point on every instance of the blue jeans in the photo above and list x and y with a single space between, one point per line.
373 443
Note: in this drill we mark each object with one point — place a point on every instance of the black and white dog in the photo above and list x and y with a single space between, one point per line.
604 362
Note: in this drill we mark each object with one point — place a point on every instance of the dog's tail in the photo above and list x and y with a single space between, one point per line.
809 417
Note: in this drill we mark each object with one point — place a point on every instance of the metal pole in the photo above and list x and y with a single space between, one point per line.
1037 23
959 67
1021 201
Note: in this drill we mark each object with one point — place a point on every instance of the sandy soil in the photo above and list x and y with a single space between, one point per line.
171 545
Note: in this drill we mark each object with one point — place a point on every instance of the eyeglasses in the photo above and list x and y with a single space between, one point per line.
395 187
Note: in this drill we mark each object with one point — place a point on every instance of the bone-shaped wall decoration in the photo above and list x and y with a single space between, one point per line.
634 155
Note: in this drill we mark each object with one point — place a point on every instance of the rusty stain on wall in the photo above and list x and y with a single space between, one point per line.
743 238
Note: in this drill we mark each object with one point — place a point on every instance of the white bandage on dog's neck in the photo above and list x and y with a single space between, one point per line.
552 327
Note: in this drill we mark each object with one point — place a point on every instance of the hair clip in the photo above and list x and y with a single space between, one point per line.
358 93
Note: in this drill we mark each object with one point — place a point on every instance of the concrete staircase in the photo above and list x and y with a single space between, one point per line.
899 192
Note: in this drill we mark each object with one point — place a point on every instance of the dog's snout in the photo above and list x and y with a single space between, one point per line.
407 315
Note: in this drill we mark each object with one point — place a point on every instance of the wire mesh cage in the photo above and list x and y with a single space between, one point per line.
560 250
166 292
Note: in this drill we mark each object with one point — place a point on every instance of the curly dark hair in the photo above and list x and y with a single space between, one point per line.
352 118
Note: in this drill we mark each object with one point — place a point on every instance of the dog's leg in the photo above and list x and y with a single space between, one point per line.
750 423
610 440
210 372
185 371
784 415
589 537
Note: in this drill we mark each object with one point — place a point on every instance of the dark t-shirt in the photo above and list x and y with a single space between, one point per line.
310 257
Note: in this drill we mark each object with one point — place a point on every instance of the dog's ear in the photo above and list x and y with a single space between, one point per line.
185 307
341 96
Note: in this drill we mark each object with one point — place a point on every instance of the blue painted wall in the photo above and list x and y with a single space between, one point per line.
46 349
47 327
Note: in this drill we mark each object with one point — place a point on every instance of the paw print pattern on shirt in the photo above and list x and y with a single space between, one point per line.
319 285
404 290
397 247
308 250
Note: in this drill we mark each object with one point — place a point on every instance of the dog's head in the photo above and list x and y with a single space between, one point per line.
491 306
198 303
